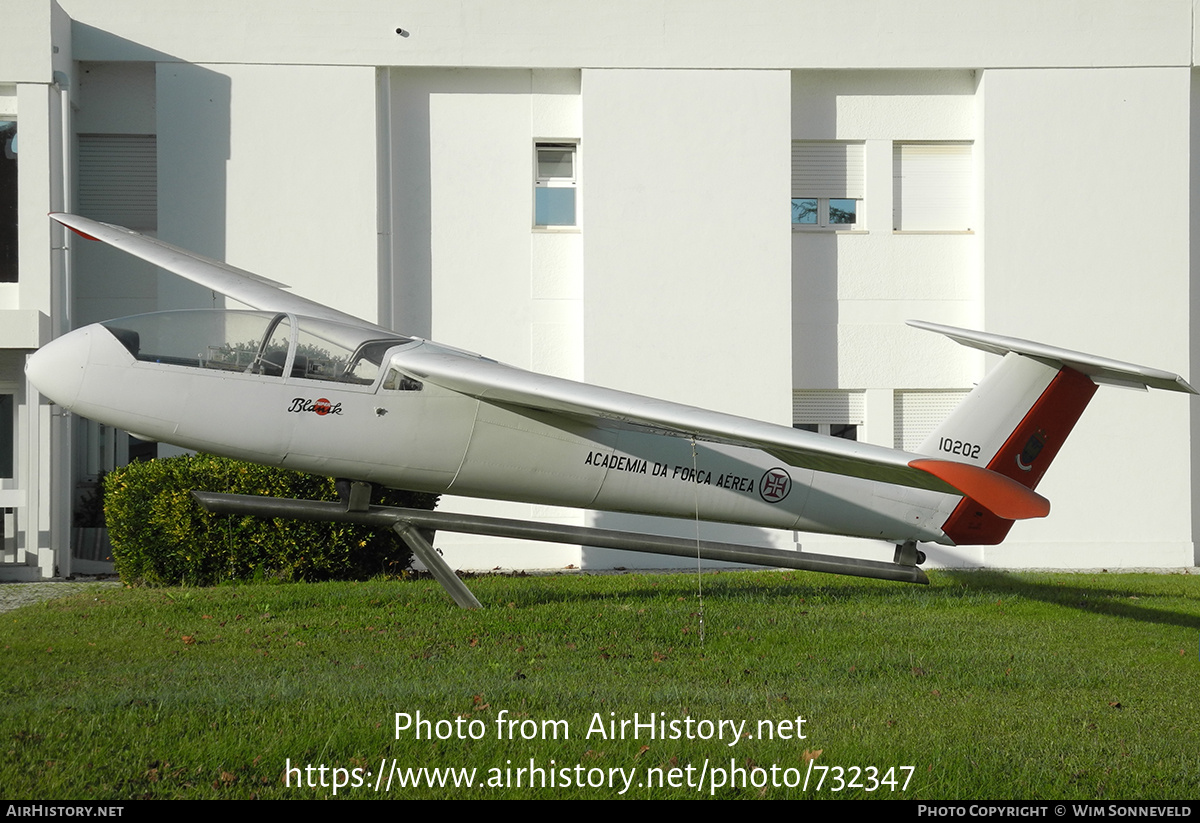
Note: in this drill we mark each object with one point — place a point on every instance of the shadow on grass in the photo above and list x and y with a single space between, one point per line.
730 585
1116 601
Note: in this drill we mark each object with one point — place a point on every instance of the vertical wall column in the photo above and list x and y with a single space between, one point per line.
1087 207
687 254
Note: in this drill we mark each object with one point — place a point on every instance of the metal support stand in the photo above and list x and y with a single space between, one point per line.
437 566
407 521
360 497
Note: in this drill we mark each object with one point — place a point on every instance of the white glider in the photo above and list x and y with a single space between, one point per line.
297 384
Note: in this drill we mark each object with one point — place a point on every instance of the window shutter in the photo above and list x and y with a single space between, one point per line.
917 413
118 179
827 406
931 187
827 169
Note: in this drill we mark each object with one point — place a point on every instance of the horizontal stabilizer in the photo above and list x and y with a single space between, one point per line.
1099 369
1006 498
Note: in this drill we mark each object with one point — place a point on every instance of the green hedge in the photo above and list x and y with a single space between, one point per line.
161 536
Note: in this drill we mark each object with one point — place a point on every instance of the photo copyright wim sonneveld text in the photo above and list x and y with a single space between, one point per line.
711 775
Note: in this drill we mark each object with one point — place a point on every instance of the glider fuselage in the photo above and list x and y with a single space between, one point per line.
405 434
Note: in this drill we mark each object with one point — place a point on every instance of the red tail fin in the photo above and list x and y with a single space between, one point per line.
1025 455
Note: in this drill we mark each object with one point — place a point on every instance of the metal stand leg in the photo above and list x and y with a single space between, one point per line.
360 497
437 566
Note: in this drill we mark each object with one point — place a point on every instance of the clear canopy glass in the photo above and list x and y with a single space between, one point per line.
256 342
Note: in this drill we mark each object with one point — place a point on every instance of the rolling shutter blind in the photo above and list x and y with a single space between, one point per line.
917 413
118 179
827 406
931 187
827 169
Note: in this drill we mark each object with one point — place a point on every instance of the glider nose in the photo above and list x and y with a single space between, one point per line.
56 369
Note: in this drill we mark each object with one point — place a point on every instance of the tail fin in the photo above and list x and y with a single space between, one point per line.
1019 416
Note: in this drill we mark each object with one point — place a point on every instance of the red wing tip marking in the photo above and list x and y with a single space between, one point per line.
84 235
56 216
1002 496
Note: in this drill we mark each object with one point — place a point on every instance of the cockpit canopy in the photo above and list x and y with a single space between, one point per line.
256 342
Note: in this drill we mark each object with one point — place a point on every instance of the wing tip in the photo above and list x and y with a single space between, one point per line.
60 218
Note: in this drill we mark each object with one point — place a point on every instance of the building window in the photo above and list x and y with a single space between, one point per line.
824 212
827 184
846 431
916 414
8 435
932 187
118 179
555 185
832 412
8 201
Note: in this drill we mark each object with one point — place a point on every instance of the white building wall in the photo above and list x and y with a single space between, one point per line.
113 99
1087 210
470 269
853 290
1193 298
686 257
404 193
25 41
274 170
686 250
35 79
481 168
752 34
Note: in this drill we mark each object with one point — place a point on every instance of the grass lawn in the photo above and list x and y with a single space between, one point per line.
982 685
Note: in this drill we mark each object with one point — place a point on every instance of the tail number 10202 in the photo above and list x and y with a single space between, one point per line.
952 446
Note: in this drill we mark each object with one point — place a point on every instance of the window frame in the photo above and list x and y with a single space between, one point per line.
842 431
828 171
10 199
941 187
8 434
555 181
822 210
831 412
